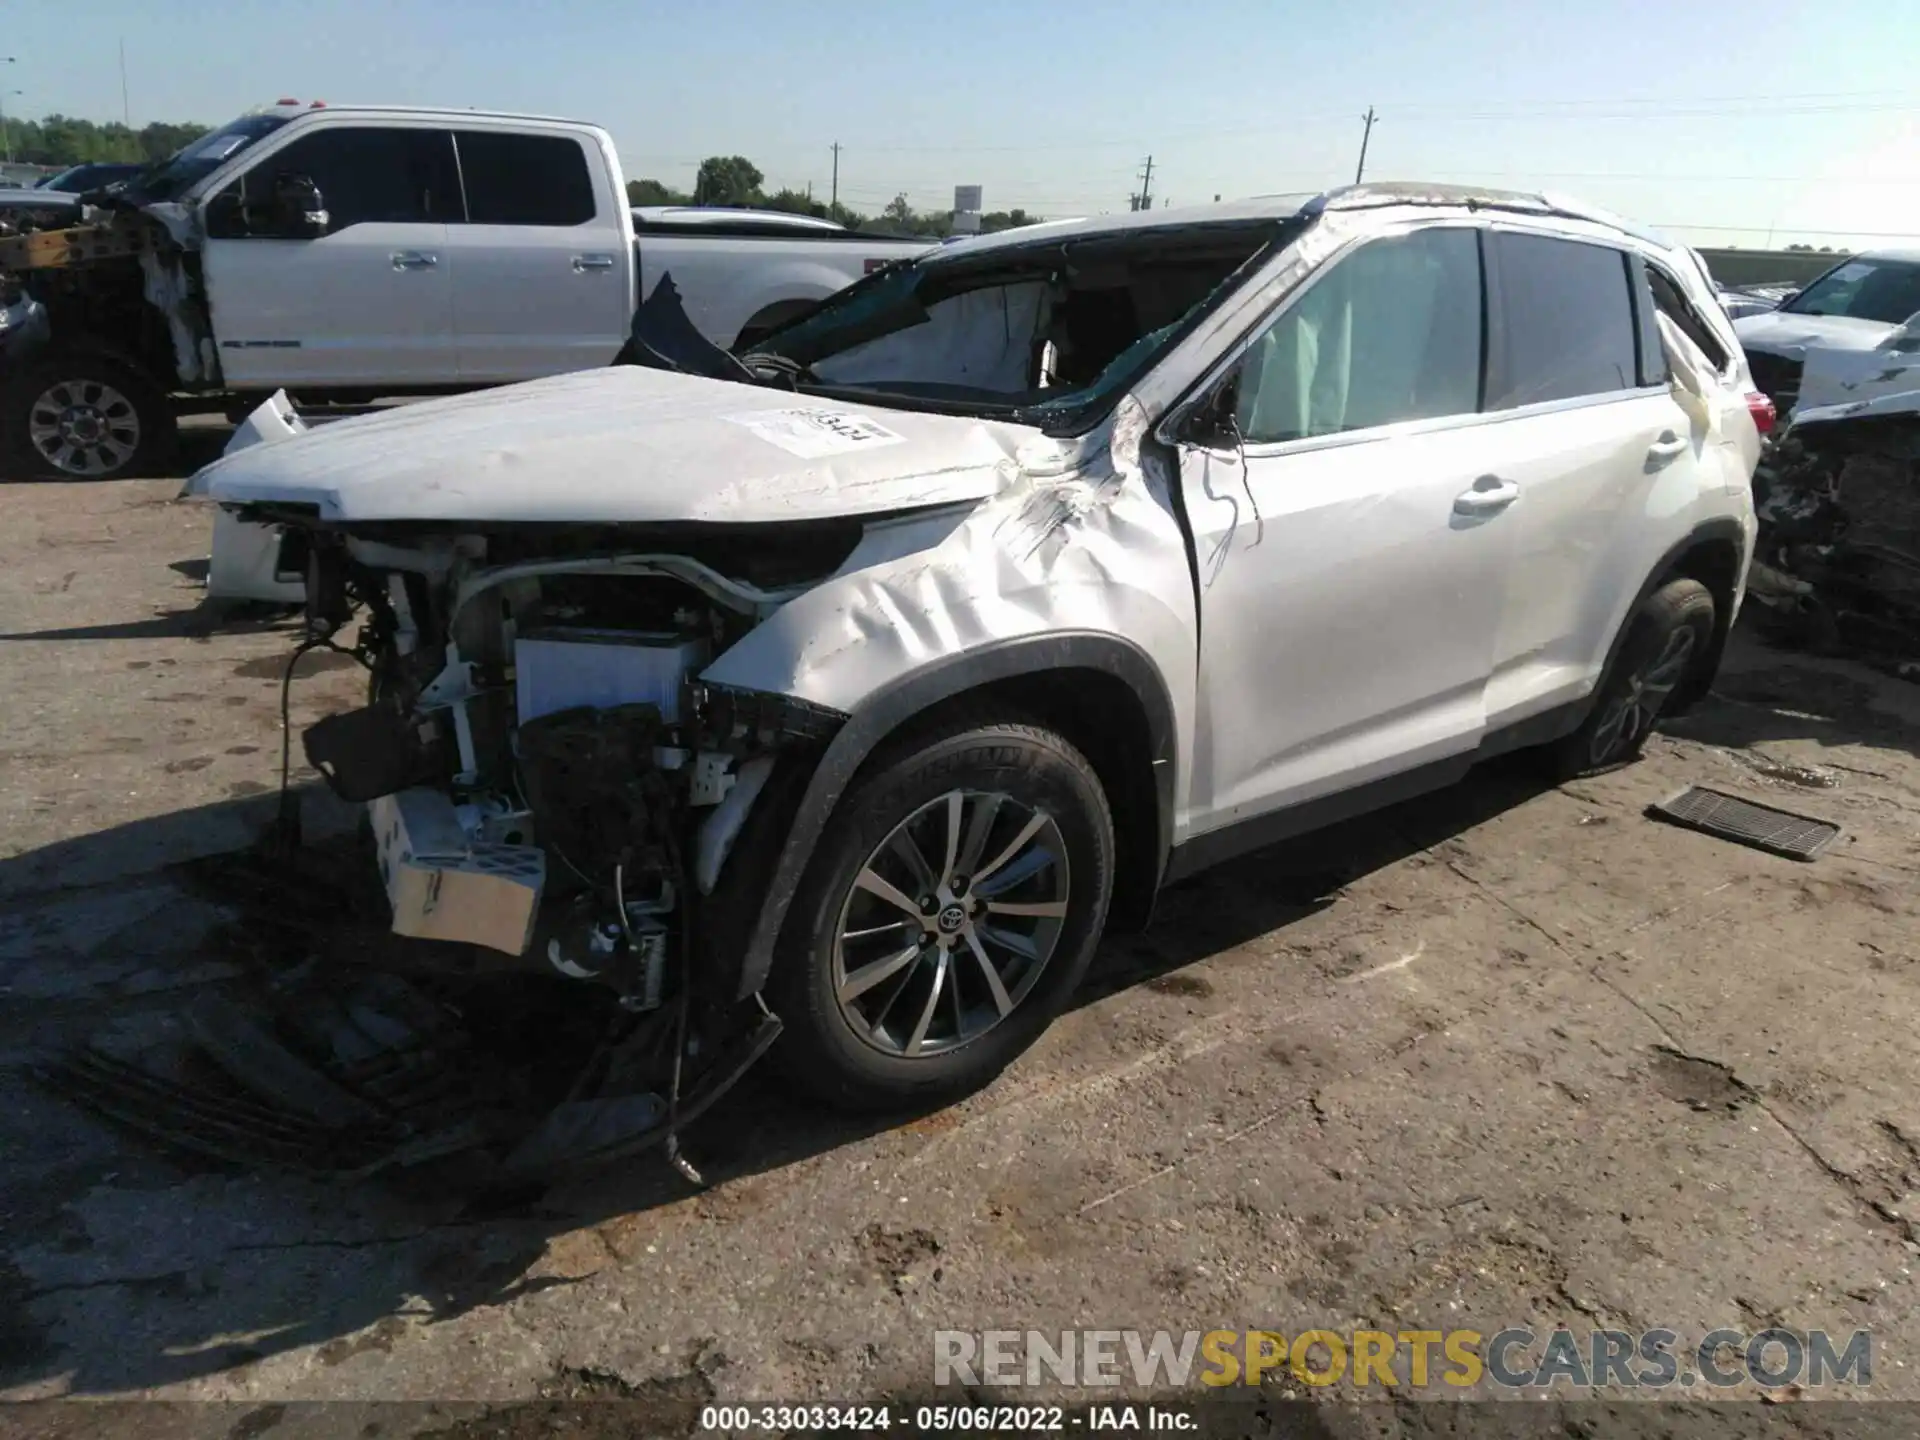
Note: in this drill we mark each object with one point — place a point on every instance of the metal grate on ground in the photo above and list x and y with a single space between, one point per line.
1798 837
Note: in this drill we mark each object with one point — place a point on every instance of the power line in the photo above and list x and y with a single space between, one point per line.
1692 179
1729 106
1785 229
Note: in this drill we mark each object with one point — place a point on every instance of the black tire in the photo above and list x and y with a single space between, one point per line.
1668 637
1037 774
51 410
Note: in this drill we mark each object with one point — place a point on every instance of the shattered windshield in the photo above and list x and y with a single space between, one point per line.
171 178
1884 290
1049 332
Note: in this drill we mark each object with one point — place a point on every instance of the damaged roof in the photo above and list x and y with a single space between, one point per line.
1376 195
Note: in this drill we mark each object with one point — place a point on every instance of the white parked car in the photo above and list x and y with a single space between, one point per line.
1850 334
867 681
352 252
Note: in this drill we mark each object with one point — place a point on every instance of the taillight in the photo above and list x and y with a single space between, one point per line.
1761 408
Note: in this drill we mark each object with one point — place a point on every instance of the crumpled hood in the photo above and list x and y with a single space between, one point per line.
626 444
1781 332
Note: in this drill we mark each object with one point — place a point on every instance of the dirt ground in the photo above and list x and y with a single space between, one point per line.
1504 1056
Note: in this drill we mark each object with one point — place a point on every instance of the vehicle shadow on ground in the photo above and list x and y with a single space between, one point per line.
198 445
456 1252
200 621
1766 694
442 1251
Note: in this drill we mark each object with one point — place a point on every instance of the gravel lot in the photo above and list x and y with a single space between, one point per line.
1504 1056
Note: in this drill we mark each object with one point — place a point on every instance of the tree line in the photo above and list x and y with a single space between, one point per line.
734 180
63 140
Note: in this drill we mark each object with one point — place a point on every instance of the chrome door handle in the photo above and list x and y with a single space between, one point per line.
1489 495
1668 446
584 263
414 260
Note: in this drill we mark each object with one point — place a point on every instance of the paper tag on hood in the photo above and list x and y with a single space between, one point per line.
814 434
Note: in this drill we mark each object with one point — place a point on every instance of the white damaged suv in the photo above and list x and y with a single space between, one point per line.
863 678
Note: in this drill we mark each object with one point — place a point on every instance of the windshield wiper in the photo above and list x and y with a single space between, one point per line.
772 368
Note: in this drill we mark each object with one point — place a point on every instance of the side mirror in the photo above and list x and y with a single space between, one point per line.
1211 423
299 211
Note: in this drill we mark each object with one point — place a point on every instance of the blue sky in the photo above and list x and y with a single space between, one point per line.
1766 115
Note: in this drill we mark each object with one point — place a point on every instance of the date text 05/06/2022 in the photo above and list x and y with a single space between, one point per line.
938 1419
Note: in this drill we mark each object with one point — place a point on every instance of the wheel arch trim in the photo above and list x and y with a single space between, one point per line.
886 710
1721 529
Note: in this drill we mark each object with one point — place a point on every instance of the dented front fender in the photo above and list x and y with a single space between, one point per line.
1078 564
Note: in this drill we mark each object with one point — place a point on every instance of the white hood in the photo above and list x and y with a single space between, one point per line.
1782 332
625 444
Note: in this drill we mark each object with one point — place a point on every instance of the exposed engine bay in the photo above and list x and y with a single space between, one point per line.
535 733
545 781
114 270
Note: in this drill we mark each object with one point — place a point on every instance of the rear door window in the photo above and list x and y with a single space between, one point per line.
525 179
1390 333
1568 327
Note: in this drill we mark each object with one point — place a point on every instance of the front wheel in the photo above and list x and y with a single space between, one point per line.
82 418
1667 638
949 912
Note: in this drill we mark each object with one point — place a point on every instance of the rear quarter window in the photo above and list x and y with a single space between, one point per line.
1567 321
1673 303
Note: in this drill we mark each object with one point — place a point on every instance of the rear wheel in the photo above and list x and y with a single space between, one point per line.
82 418
949 912
1667 639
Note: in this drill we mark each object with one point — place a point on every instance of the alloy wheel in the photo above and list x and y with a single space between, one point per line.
950 922
1630 714
84 427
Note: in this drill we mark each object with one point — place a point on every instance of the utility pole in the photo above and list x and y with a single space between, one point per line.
1365 135
126 110
1144 200
6 140
833 205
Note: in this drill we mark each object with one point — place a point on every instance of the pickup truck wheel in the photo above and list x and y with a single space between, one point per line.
1669 635
949 911
82 418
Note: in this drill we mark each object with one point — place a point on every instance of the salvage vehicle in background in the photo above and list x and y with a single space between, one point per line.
1852 333
348 253
81 179
1740 301
851 686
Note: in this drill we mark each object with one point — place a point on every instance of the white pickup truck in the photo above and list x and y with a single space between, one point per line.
347 253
